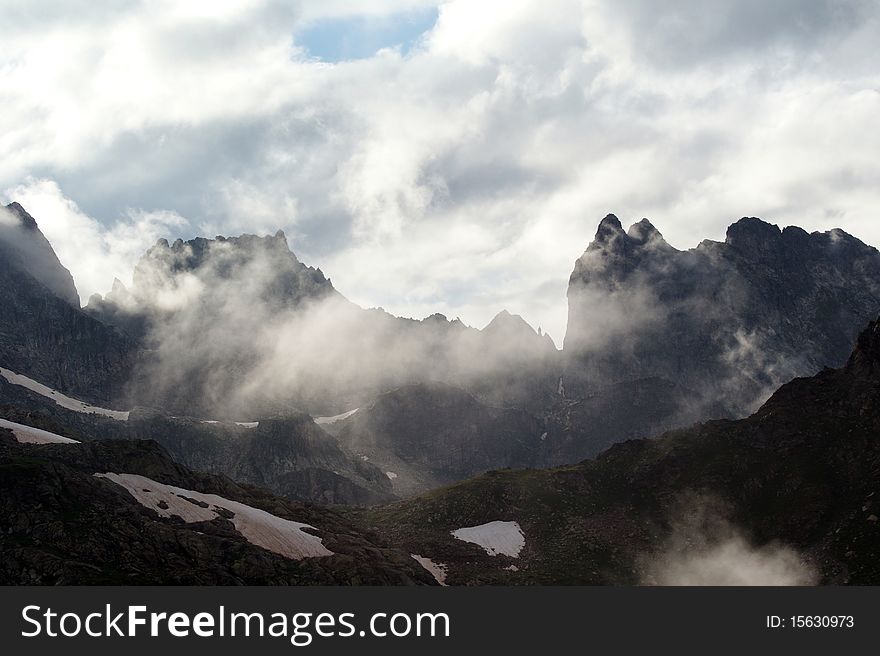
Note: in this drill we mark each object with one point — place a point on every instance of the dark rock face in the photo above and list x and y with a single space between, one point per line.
290 456
62 525
800 474
582 428
43 333
728 321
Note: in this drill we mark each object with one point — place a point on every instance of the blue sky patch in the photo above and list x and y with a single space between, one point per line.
359 37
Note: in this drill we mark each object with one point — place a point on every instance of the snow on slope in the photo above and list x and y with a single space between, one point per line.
438 570
258 527
59 398
243 424
335 418
29 435
505 538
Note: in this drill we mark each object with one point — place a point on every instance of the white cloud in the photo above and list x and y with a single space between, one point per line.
470 173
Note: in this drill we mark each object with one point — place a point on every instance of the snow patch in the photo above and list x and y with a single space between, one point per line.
29 435
258 527
244 424
391 475
505 538
59 398
335 418
437 570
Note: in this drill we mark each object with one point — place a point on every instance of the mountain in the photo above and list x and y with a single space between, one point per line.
789 494
728 321
43 332
122 512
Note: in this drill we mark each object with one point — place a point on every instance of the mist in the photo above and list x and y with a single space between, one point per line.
705 548
239 327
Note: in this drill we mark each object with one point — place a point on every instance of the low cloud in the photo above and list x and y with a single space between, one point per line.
706 549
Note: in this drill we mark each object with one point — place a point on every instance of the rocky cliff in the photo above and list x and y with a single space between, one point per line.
43 332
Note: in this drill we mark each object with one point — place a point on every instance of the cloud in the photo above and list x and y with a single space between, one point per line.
239 327
7 220
680 33
467 173
704 548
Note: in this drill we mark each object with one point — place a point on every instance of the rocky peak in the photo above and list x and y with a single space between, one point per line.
609 235
751 235
27 221
645 233
26 246
508 330
614 253
610 225
509 323
118 287
248 265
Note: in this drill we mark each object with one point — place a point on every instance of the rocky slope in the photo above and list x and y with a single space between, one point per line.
65 518
289 455
787 495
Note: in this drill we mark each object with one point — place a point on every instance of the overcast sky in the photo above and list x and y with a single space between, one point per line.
447 157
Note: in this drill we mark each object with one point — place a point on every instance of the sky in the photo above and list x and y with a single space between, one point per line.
450 157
